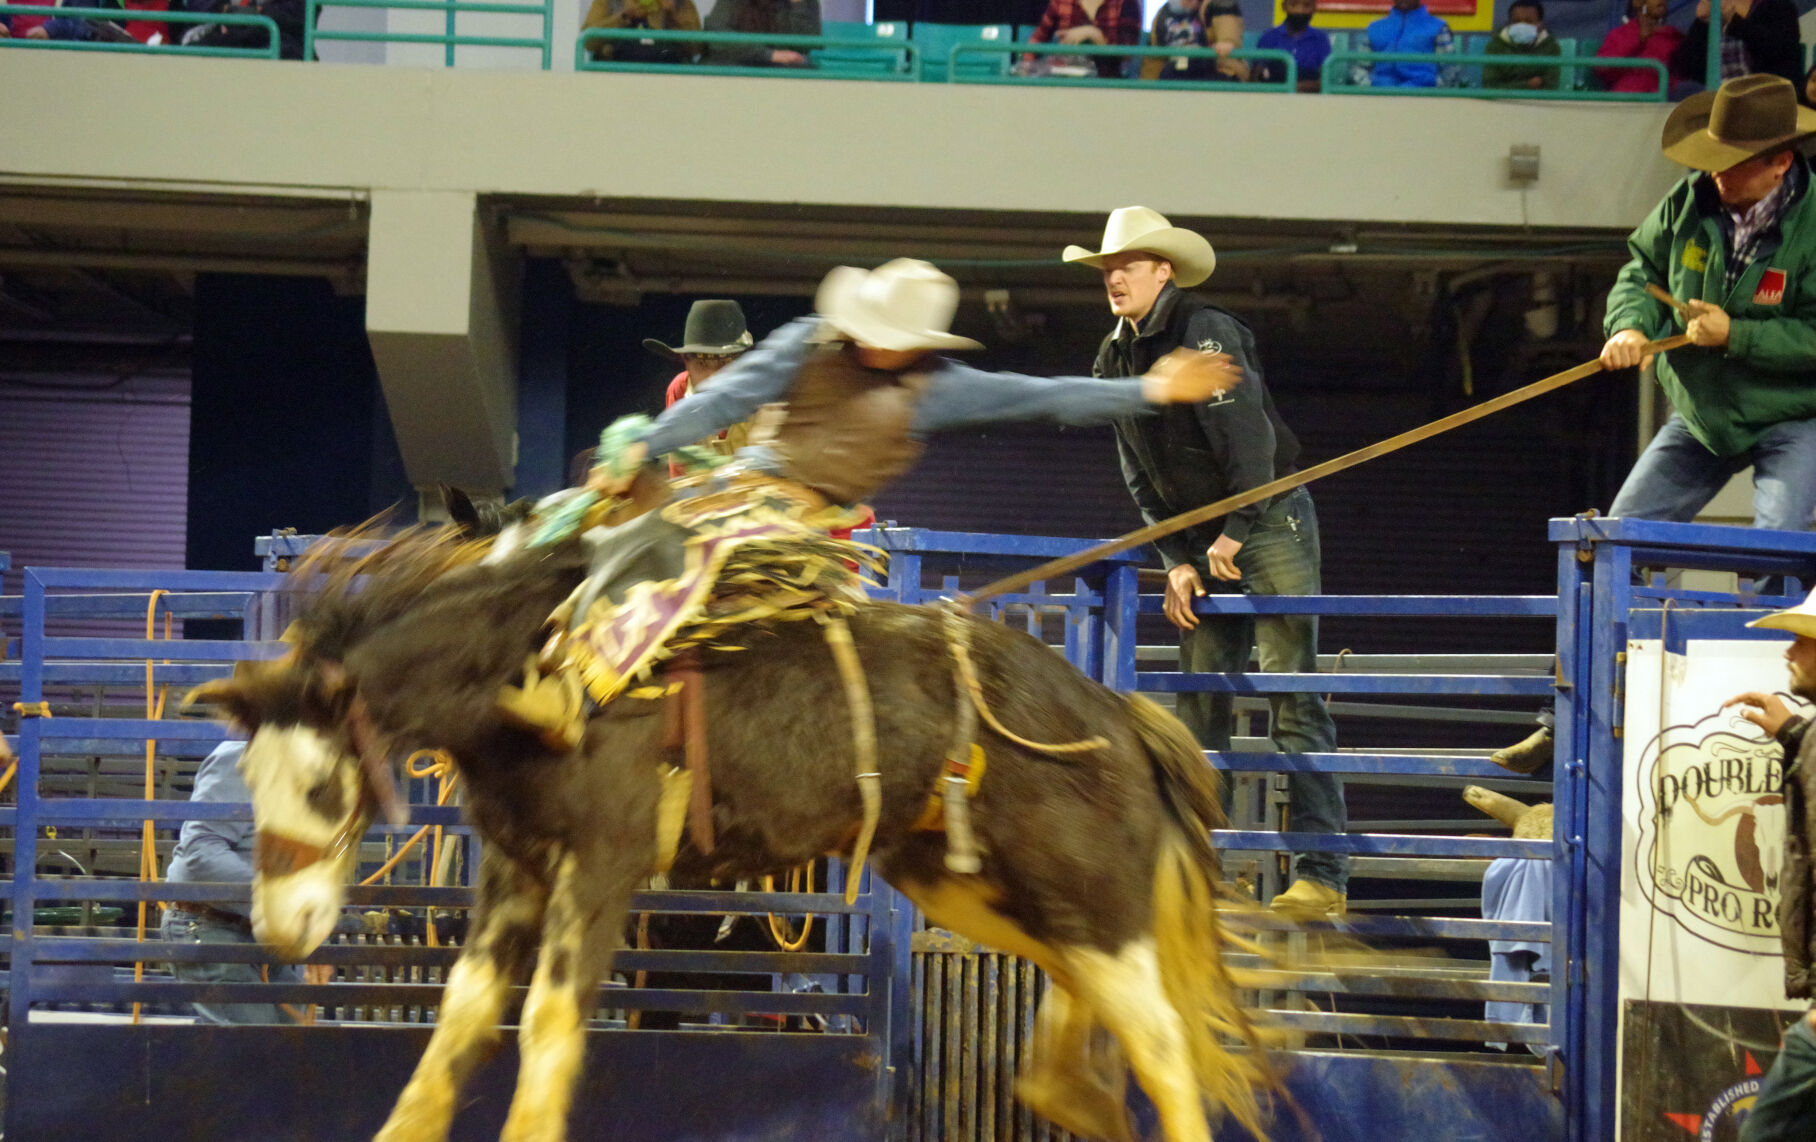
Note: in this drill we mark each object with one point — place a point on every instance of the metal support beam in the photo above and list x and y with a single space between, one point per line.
441 313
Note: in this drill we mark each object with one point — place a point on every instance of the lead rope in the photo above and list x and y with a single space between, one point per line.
863 736
148 843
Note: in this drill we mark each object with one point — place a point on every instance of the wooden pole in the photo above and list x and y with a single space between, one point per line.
1056 567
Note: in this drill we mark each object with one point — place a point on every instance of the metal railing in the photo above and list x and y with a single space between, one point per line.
1337 66
838 982
450 37
230 19
886 51
1290 82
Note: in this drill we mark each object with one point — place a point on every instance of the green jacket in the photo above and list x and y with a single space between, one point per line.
1766 374
1509 75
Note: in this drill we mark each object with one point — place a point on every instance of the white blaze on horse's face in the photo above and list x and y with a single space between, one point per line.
305 795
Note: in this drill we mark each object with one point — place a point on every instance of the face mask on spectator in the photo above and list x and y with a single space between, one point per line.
1298 21
1523 34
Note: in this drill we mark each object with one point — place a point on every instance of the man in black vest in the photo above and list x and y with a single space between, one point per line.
1186 456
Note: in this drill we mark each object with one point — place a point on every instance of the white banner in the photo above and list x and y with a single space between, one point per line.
1703 828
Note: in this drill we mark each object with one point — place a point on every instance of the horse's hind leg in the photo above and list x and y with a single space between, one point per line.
580 932
1125 991
506 925
1063 1084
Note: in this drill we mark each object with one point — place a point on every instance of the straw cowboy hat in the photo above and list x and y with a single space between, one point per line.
1800 619
1138 228
713 329
1712 131
901 305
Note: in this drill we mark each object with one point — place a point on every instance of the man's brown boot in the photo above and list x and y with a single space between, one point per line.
1528 756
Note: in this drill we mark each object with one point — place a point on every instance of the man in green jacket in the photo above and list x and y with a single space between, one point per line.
1737 244
1524 35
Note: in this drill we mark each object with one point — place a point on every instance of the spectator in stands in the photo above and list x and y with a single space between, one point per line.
1644 35
1310 46
91 30
221 851
1186 456
1740 231
1524 35
287 14
1196 24
1757 37
656 15
31 27
1410 27
779 17
1116 22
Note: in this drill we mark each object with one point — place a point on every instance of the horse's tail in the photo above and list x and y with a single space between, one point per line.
1229 1056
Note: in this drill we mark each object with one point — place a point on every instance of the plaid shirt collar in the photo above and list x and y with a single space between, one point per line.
1754 224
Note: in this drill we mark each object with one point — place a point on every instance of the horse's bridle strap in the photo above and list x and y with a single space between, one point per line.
274 854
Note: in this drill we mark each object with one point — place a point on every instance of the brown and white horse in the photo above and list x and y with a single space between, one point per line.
1096 866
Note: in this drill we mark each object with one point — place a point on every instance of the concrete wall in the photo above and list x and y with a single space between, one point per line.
337 128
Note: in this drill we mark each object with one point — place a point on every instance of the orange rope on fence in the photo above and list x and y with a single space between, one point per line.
778 925
438 764
154 711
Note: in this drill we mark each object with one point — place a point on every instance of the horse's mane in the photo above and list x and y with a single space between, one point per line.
358 577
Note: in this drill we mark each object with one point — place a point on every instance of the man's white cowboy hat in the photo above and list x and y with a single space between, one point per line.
1800 619
901 305
1138 228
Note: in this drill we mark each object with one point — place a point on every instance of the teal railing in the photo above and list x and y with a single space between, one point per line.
979 47
1336 76
450 37
846 46
269 51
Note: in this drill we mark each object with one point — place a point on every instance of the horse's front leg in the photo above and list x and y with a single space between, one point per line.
580 932
507 924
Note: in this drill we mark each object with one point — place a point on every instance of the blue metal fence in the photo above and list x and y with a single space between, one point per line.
1093 618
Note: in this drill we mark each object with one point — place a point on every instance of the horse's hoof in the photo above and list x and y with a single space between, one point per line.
1083 1106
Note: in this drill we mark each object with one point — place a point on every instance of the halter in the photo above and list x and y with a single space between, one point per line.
274 854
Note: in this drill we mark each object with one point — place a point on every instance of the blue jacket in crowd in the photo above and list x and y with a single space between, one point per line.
1403 31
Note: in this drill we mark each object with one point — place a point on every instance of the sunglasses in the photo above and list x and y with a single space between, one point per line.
710 358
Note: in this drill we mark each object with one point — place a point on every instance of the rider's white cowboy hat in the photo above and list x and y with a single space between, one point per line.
900 305
1138 228
1800 619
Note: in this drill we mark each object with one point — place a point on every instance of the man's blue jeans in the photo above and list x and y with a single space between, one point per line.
1280 557
1676 476
185 927
1785 1108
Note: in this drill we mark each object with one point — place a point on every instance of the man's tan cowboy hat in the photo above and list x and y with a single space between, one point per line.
1714 130
713 329
1138 228
1800 619
900 305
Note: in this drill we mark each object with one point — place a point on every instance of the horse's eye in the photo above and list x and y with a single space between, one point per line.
327 799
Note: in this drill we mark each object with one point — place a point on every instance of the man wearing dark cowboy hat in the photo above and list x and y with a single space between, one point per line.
1189 455
1785 1108
1736 242
714 336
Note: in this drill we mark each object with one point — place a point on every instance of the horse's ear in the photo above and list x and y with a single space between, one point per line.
462 511
233 696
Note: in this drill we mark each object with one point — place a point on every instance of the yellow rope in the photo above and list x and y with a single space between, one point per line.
778 925
148 838
960 638
438 764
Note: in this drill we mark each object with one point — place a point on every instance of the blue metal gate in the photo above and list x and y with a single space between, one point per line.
929 1056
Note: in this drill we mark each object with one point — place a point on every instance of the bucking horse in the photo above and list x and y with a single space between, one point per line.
1096 864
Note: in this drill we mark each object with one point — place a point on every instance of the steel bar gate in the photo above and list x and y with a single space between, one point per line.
939 1025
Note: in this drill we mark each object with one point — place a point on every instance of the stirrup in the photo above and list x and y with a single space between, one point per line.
552 706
